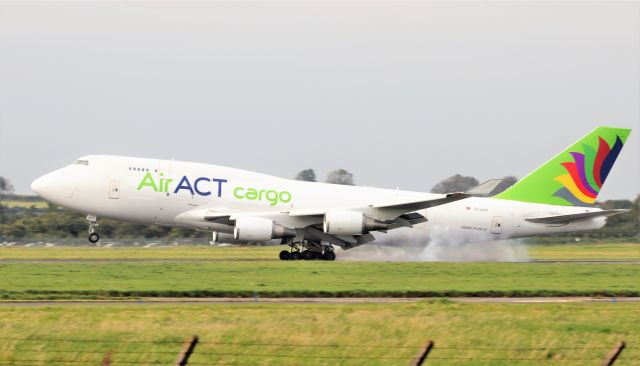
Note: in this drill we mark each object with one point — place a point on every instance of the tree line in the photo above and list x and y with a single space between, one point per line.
29 221
338 176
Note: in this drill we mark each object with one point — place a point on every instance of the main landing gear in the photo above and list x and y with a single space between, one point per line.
308 251
93 236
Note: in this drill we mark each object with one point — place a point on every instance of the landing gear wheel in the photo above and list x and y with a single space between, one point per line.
329 256
307 255
93 236
295 256
285 255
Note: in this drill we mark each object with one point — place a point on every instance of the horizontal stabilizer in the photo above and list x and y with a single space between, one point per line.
567 219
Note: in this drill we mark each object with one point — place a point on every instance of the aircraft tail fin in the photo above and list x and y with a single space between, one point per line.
575 176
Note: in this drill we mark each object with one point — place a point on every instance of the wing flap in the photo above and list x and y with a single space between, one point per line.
406 220
343 241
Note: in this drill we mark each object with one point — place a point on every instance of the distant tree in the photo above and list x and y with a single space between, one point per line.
636 212
636 208
624 223
340 176
5 186
615 204
456 183
506 183
307 175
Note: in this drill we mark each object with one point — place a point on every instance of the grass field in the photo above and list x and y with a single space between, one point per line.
232 271
597 251
317 278
353 334
24 204
313 334
603 251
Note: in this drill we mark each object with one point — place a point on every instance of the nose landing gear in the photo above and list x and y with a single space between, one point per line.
93 236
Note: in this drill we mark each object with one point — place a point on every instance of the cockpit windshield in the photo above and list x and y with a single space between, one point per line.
80 162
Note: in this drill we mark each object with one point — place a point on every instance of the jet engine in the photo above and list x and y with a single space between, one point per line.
219 237
350 223
259 229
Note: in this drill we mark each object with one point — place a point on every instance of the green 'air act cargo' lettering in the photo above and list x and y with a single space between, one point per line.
161 186
201 186
204 186
252 194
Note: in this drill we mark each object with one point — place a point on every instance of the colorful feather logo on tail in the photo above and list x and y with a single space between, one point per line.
587 172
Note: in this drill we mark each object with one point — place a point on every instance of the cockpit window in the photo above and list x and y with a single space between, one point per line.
81 162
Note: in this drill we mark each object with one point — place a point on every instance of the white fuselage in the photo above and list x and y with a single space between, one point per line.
153 191
495 219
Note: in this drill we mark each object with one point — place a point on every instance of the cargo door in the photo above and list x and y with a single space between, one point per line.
114 189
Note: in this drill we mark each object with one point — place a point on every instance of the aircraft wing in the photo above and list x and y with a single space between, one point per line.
389 211
483 190
308 222
411 206
311 232
567 219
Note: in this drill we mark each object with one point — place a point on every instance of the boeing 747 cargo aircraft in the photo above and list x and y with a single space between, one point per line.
312 218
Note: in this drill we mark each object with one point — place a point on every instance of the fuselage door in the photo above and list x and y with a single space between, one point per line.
114 189
163 215
496 225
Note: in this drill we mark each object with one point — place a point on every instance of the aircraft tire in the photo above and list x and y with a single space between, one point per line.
329 256
307 255
285 255
94 237
295 256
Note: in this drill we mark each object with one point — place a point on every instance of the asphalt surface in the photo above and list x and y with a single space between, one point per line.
126 260
314 300
187 260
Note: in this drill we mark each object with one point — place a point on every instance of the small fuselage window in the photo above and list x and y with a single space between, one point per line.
81 162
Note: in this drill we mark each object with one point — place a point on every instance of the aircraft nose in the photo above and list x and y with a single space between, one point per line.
40 185
58 187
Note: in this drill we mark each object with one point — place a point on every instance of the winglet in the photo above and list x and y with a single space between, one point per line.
484 189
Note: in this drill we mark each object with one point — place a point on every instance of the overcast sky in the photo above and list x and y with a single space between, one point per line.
400 94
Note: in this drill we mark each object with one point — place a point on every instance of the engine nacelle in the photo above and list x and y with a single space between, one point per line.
219 237
350 223
259 229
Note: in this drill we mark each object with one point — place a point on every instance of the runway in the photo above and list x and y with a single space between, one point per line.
205 260
312 300
133 260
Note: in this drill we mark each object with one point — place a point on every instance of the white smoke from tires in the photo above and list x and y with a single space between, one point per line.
439 245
